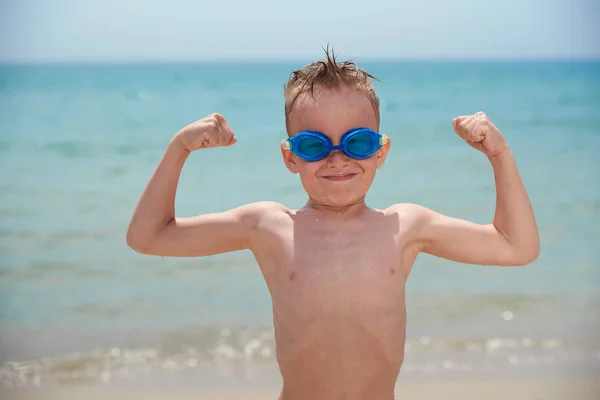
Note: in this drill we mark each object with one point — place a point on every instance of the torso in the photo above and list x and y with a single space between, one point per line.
337 289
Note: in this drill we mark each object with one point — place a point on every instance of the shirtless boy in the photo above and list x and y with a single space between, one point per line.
336 269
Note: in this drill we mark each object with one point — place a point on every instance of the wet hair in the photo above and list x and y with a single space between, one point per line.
328 74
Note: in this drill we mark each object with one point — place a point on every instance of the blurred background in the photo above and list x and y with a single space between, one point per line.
92 91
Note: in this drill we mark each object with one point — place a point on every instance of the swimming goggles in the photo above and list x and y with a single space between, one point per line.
359 143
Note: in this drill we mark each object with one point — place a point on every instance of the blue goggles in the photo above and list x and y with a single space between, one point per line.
358 143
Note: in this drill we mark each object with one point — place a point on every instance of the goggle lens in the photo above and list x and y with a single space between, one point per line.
310 146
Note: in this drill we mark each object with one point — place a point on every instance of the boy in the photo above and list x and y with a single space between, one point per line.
336 269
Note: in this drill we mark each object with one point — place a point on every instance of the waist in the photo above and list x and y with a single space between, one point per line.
355 375
328 386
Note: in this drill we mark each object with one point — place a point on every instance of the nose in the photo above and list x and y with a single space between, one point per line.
337 159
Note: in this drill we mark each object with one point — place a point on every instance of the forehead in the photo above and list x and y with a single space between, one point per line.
332 112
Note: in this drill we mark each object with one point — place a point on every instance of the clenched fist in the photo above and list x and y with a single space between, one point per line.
479 132
210 131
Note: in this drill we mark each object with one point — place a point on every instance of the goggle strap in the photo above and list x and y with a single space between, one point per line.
285 144
384 139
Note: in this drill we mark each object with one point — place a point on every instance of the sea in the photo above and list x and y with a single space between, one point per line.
78 144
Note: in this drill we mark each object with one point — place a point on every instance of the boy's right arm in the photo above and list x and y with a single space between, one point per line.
155 230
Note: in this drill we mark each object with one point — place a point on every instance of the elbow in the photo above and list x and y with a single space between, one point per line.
526 256
143 240
136 243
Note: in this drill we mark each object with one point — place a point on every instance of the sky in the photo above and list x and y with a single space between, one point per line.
47 31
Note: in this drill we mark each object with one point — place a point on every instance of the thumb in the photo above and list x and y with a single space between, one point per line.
232 141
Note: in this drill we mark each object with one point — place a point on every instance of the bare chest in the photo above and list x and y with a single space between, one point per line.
337 269
336 293
340 259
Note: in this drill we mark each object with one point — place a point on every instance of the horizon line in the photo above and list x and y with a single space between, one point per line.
273 60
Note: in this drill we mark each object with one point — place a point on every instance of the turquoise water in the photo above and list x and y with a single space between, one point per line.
78 144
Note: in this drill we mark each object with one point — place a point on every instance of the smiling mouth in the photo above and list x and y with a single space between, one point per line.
339 177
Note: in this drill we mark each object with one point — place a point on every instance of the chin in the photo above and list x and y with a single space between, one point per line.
336 194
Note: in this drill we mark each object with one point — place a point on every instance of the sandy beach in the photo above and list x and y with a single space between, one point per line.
464 390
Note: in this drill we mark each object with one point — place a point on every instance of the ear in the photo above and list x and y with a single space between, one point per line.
289 158
383 150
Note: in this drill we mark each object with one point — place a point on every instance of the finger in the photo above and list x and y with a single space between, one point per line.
480 132
218 120
226 135
223 139
461 128
225 128
458 120
470 129
221 133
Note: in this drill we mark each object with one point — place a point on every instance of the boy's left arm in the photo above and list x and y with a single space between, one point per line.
512 238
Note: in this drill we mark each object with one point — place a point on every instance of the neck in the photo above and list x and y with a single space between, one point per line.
337 211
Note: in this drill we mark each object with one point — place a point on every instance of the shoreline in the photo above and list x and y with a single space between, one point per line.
562 389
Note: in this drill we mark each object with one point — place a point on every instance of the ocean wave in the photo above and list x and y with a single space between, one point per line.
222 348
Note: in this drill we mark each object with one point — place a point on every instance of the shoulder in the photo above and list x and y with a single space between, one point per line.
257 213
416 219
410 211
261 207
